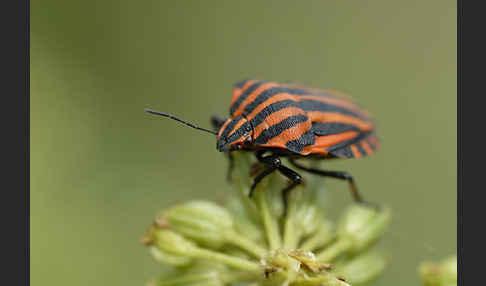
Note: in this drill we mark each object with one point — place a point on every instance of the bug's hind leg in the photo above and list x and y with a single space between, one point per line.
338 175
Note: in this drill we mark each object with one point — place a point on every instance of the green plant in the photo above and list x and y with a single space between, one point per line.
443 273
251 241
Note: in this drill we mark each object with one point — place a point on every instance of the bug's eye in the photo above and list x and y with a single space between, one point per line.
248 128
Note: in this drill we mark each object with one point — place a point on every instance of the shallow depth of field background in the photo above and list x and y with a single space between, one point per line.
101 168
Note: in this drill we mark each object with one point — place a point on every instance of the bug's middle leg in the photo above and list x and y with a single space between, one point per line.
295 179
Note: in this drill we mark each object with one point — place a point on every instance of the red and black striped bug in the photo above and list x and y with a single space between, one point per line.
285 120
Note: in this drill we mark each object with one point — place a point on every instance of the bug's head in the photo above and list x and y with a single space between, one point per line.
234 134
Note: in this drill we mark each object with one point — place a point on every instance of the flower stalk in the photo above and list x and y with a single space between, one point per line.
269 221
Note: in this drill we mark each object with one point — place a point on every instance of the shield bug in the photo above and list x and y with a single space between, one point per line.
276 120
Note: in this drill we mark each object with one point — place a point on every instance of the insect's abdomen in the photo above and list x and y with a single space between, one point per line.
304 121
340 127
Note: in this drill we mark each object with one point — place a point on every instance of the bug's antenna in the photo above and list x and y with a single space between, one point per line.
180 120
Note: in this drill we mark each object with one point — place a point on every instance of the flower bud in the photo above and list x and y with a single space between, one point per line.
362 226
167 258
363 268
172 243
439 274
151 239
204 222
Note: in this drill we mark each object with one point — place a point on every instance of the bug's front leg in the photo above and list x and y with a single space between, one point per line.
231 166
272 161
217 122
275 163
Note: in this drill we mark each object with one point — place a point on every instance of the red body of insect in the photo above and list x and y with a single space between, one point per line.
298 121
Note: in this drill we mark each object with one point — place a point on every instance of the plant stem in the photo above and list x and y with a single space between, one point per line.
233 261
240 276
269 220
320 239
246 244
290 237
333 250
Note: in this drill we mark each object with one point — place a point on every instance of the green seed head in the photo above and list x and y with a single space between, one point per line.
252 241
172 243
362 226
204 222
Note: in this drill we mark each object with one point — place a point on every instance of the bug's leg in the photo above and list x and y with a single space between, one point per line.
260 157
260 177
276 164
217 122
338 175
231 166
295 179
273 161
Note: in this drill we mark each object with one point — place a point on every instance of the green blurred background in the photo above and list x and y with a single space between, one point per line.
101 168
